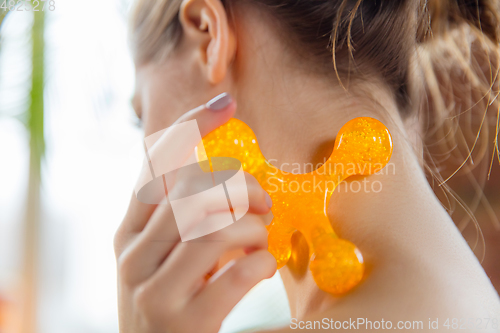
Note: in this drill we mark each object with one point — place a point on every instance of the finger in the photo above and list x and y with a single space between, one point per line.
211 115
148 249
161 234
228 286
137 214
208 117
181 273
192 183
174 147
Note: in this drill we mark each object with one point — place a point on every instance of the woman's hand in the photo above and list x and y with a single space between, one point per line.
162 284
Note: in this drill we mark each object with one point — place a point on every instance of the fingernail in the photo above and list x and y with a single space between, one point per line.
219 102
269 202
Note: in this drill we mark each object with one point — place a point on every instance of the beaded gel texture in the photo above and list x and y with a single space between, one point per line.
363 146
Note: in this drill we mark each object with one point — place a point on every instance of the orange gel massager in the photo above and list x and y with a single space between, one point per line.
363 147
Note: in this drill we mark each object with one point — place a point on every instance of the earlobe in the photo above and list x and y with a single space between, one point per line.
206 22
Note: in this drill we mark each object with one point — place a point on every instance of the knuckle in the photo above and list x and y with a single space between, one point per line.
142 298
122 265
153 307
124 268
267 261
118 242
260 229
257 229
242 275
262 234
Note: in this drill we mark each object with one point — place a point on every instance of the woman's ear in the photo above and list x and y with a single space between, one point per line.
205 23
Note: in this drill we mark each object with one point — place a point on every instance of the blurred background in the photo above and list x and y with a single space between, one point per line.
66 128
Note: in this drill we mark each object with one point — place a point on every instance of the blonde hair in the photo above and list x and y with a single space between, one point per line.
458 56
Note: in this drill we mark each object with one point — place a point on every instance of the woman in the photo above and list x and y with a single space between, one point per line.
392 60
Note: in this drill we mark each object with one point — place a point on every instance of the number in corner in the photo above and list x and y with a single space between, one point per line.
10 5
471 323
52 5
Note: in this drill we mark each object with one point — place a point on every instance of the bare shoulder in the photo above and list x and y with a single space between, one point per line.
418 266
416 294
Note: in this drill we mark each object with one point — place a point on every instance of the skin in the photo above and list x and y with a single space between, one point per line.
418 264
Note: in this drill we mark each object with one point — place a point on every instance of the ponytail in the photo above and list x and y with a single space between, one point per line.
458 57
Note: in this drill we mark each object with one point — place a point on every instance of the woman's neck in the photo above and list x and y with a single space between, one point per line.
296 117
